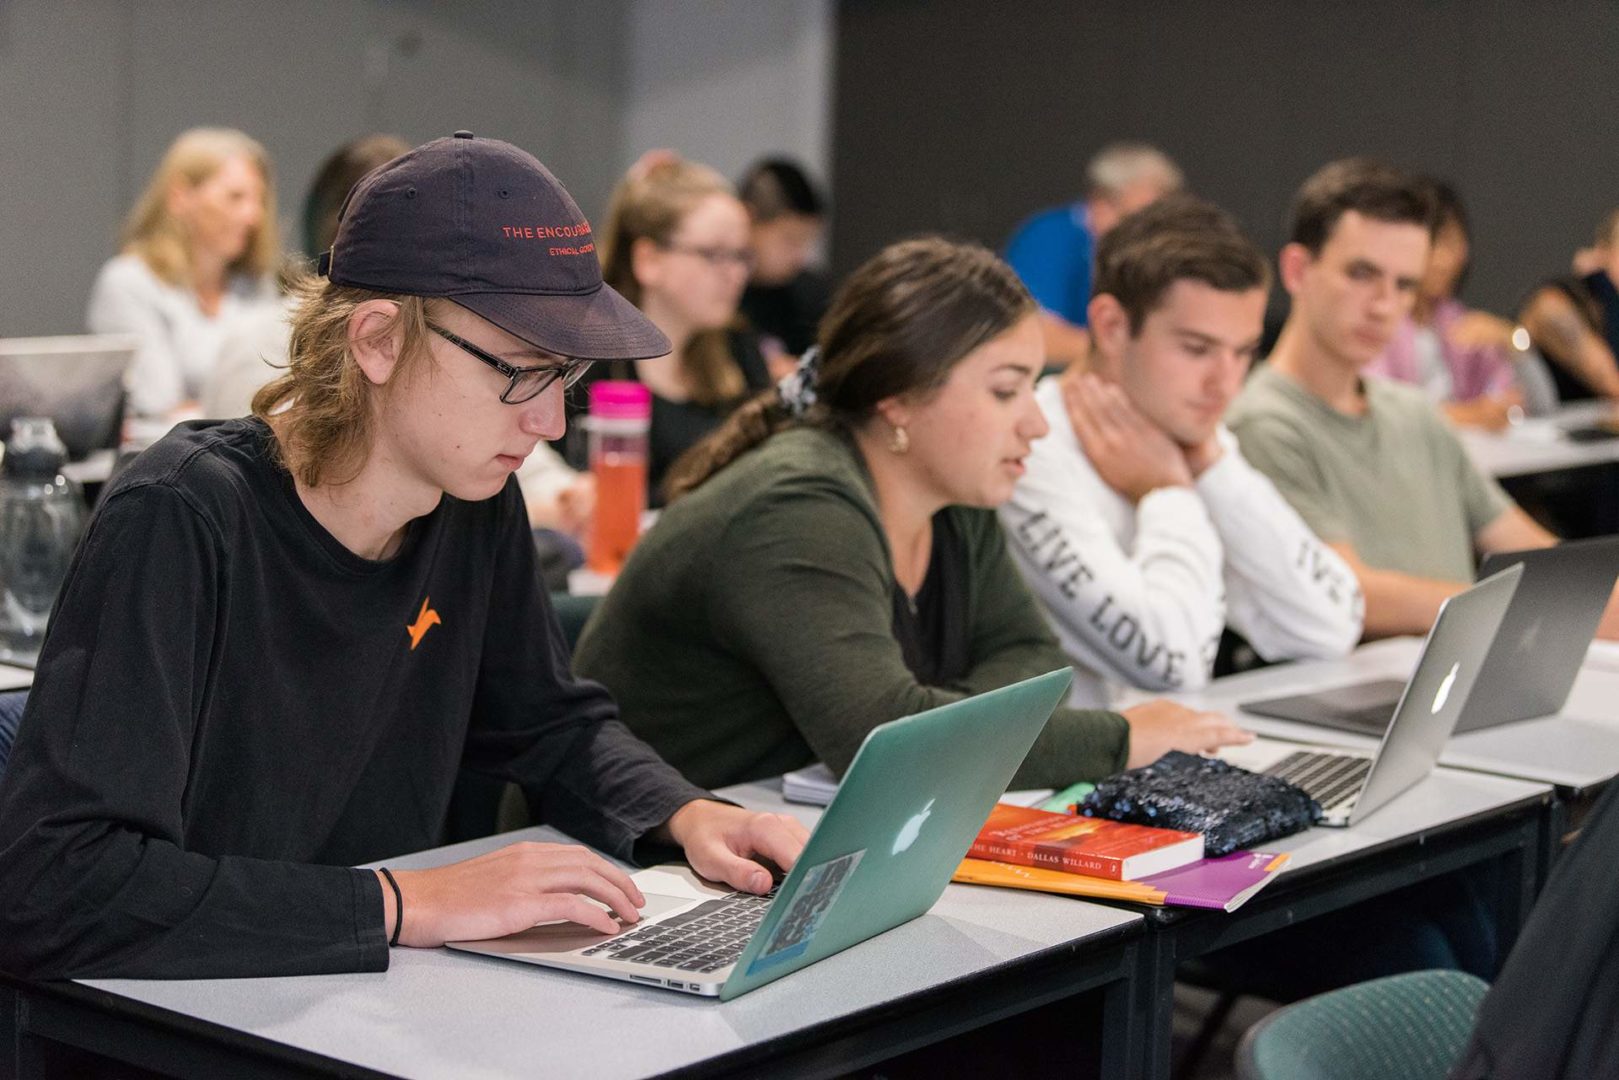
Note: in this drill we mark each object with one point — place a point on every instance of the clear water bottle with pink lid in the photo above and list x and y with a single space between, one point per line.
620 418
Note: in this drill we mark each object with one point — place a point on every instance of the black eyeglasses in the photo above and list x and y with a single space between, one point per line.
525 383
720 258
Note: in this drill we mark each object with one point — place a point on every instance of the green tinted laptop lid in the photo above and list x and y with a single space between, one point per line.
907 811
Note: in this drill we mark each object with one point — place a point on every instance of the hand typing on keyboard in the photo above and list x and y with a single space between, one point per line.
1157 727
723 841
511 889
523 885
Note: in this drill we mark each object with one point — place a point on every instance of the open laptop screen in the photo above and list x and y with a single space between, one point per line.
78 382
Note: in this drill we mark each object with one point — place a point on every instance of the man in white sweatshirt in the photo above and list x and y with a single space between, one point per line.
1139 524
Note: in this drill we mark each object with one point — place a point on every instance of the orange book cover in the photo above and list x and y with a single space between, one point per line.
1223 884
978 872
1082 845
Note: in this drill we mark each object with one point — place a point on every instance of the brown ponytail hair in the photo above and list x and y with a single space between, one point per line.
898 325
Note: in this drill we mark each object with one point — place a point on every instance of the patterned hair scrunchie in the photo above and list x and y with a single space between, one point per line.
797 387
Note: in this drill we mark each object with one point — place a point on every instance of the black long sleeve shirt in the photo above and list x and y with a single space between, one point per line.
232 710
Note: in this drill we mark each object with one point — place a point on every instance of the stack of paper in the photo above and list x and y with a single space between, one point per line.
815 785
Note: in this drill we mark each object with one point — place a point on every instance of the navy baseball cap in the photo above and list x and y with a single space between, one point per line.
484 224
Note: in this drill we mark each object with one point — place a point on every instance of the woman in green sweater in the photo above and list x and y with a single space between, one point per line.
831 559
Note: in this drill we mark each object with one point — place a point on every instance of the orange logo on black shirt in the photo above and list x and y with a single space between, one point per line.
425 618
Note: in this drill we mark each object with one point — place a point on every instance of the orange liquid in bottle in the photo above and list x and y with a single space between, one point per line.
620 501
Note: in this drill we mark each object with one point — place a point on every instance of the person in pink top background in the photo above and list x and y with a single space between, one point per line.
1476 366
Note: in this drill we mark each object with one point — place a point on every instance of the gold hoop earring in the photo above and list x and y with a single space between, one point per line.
901 442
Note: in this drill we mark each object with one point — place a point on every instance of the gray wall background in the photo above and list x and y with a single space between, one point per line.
92 92
953 115
731 80
962 116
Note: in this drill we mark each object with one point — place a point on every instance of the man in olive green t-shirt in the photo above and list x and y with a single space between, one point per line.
1370 465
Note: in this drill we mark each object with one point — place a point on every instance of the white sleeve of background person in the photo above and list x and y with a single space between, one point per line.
544 475
1289 594
127 298
1135 594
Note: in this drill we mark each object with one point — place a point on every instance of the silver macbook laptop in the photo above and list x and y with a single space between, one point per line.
1351 785
1531 666
908 808
1548 629
78 382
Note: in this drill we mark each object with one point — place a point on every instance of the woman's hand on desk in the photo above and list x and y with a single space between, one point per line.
511 889
720 840
1157 727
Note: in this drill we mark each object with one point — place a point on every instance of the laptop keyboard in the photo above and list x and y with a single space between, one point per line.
1329 779
706 938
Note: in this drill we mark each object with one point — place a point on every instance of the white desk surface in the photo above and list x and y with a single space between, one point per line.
435 1013
440 1014
95 469
1577 748
15 678
1540 444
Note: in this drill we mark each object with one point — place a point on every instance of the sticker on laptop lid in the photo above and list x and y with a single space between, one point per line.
817 892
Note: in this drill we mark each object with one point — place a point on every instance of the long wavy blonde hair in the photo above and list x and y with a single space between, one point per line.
160 239
321 405
650 205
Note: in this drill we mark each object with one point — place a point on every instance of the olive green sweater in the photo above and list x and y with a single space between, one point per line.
751 630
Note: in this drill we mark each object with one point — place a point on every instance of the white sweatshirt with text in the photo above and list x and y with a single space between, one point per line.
1138 595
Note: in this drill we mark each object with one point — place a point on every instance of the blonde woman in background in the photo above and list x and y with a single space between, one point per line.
253 349
676 245
199 252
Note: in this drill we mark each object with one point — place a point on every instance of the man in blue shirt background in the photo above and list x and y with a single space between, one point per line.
1053 250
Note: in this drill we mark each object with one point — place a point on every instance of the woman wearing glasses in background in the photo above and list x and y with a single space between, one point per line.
676 245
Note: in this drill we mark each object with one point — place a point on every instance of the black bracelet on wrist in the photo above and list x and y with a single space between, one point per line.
399 907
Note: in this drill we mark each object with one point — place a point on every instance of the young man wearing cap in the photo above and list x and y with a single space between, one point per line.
282 636
1369 463
1138 524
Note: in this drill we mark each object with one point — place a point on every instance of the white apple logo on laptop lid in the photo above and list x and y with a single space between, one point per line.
907 835
1443 695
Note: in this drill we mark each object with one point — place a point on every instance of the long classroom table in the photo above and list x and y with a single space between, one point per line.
980 957
977 957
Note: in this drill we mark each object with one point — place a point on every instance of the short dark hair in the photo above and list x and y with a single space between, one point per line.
1177 238
1448 207
1369 188
333 181
776 186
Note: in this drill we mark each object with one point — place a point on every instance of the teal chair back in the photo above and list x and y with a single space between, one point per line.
573 612
1411 1027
